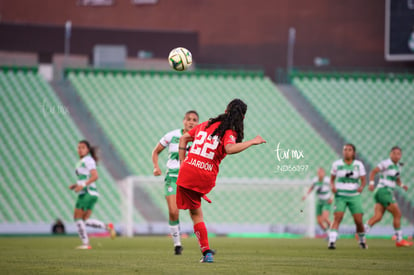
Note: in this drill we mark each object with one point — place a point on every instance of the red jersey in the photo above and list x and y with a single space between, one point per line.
199 169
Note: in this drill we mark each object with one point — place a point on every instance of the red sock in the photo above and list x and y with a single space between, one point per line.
200 231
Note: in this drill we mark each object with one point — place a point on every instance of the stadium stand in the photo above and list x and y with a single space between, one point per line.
379 106
39 155
135 109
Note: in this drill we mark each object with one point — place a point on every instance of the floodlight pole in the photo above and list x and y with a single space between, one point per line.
68 30
290 49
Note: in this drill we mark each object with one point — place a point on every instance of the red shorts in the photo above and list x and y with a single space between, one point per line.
188 199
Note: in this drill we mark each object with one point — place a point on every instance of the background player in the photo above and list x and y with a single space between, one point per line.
345 176
88 193
212 141
171 140
384 193
323 205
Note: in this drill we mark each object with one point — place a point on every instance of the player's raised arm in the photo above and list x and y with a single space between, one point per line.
239 147
400 184
371 186
363 182
333 188
93 177
373 173
308 192
157 150
182 146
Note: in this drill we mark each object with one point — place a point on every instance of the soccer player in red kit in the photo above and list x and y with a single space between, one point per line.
212 141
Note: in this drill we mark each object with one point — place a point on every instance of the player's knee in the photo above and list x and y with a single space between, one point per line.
193 213
338 217
358 219
77 216
377 218
196 216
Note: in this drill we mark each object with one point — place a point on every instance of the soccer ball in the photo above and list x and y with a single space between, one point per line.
180 59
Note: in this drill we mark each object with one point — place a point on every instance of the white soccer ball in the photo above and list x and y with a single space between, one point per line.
180 59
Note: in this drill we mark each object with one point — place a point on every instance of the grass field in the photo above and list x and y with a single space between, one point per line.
154 255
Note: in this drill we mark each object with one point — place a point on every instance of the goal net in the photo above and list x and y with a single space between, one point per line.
239 206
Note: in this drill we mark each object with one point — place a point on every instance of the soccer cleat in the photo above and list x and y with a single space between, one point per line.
403 243
208 258
111 230
331 245
178 250
363 245
84 246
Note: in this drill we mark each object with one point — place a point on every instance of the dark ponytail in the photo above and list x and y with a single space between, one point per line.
232 119
93 150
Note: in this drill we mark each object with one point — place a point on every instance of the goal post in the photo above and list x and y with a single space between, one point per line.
239 205
127 186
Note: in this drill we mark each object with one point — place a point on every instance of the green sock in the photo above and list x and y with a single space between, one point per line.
174 222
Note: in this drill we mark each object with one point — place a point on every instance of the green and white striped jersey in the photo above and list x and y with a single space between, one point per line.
347 176
390 172
171 140
322 188
83 171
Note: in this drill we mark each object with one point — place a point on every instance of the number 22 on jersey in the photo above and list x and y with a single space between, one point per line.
204 146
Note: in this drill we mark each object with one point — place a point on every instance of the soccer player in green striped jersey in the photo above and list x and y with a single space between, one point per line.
345 176
323 206
170 141
88 194
389 170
